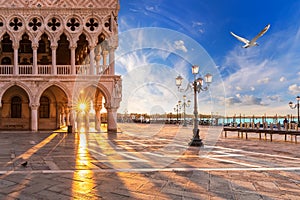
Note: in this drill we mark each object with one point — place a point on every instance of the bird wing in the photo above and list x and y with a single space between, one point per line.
240 38
261 33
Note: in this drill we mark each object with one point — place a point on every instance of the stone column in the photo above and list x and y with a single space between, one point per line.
112 60
68 115
112 120
104 54
73 66
35 67
72 117
92 60
34 117
16 69
54 68
97 109
62 116
98 58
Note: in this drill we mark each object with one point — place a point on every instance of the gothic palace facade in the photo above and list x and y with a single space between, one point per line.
57 64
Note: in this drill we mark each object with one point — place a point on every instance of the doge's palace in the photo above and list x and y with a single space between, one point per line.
57 64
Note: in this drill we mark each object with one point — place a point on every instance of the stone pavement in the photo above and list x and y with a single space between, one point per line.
146 161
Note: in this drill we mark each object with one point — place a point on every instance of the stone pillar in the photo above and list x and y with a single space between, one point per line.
111 60
73 118
16 69
73 66
98 58
34 117
112 120
68 115
97 109
104 54
78 120
61 120
54 68
35 66
92 60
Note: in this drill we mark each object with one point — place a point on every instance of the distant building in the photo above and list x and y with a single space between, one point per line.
57 64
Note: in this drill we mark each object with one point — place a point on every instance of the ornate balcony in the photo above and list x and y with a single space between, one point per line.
44 70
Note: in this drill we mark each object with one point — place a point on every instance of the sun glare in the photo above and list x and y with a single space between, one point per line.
82 106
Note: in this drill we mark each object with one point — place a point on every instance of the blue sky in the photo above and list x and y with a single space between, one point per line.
160 39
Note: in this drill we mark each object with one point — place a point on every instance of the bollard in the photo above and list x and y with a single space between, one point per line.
69 129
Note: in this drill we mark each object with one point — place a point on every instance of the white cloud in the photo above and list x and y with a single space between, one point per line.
198 25
243 100
282 79
294 89
179 45
264 71
276 98
263 80
238 88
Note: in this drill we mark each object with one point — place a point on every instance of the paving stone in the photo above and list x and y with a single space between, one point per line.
158 167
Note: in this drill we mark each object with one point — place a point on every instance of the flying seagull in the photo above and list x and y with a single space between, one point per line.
252 42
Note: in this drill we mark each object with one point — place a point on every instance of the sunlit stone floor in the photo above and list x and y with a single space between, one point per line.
146 161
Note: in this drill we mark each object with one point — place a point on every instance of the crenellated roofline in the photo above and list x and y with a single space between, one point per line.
70 4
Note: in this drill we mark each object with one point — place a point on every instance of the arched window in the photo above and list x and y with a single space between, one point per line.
6 43
16 107
44 108
6 61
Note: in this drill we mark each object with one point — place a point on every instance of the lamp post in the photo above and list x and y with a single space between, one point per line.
197 87
185 104
177 109
293 106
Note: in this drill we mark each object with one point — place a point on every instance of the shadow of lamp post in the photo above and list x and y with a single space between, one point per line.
197 86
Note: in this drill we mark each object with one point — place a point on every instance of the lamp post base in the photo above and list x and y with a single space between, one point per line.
196 141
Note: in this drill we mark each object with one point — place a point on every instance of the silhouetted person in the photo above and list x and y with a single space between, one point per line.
285 122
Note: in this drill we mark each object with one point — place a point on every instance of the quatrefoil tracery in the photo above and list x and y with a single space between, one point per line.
16 23
35 24
92 24
54 24
73 24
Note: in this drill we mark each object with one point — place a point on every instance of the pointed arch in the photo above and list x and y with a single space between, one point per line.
21 85
60 85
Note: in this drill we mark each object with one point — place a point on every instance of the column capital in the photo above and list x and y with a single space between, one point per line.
34 106
111 107
104 52
91 47
73 46
35 46
53 47
15 46
112 48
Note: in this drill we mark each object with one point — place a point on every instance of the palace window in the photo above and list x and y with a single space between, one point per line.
16 107
44 107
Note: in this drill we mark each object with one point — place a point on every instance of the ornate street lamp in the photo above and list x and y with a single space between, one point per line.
197 86
185 104
177 109
293 106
